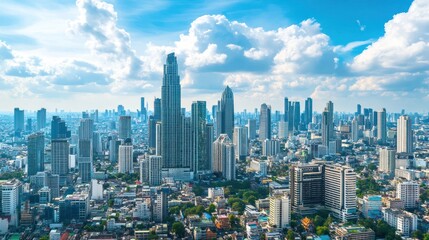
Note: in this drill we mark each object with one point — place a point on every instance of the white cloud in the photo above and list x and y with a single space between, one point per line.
404 46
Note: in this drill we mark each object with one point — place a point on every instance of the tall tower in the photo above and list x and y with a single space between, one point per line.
404 135
60 149
381 126
296 116
223 157
171 144
41 119
143 111
308 111
286 110
325 128
387 160
225 116
241 142
18 121
124 127
125 157
85 153
36 153
152 122
265 122
330 109
59 128
199 149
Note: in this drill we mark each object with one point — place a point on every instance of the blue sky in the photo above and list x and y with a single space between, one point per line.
87 54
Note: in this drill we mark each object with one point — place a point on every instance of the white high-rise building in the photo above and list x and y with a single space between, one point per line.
265 122
340 191
387 160
126 158
280 211
224 157
355 130
408 192
270 147
155 168
11 200
404 222
241 142
404 135
381 126
283 129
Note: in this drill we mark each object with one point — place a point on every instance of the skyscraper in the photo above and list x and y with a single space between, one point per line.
387 160
404 135
36 153
241 142
330 109
85 152
355 130
286 110
124 127
325 128
10 199
41 119
280 211
152 122
18 121
308 112
59 128
224 157
199 150
60 149
409 193
155 167
225 115
381 126
171 139
143 111
296 116
340 191
125 157
251 127
306 186
265 122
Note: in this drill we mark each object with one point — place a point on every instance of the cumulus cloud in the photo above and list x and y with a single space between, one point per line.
404 46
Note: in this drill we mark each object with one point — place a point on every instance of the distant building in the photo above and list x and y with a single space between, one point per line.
404 222
36 153
354 233
409 193
280 211
224 157
74 207
371 207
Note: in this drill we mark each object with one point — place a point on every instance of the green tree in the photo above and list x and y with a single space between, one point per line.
211 208
426 236
328 221
179 229
238 206
417 234
290 235
322 230
318 221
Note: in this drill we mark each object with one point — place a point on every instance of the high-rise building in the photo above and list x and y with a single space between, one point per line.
330 109
404 222
18 122
265 122
200 162
241 142
155 168
283 130
143 111
158 139
224 157
29 126
41 119
307 187
251 127
358 109
355 130
404 135
59 128
270 147
209 144
280 211
125 157
124 130
171 139
286 110
36 153
114 148
409 193
308 112
60 149
387 160
152 122
340 191
296 116
381 126
160 209
85 151
10 199
75 206
326 125
187 143
225 114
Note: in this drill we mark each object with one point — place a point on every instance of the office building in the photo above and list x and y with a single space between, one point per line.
124 130
296 116
41 119
143 111
387 160
251 128
155 168
10 199
18 122
280 211
36 153
60 149
187 142
225 113
409 193
371 206
265 122
125 157
171 139
308 112
241 142
224 157
355 130
283 130
160 208
381 126
85 149
340 191
307 187
59 128
404 135
270 147
199 162
74 207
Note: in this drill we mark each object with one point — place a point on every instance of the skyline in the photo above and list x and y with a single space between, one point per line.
300 52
